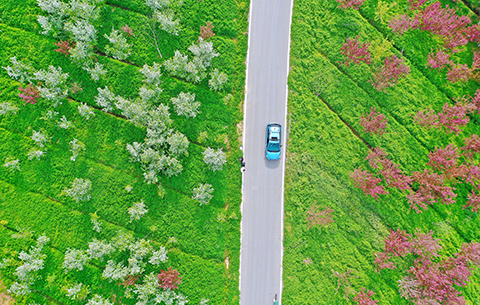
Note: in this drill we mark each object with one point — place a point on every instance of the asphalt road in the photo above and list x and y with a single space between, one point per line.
266 98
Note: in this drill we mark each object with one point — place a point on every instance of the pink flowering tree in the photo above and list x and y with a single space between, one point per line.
389 74
402 23
459 73
431 279
374 123
439 60
354 4
169 279
364 297
355 52
368 183
316 217
30 94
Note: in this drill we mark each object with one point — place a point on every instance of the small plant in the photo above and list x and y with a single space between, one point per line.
343 280
85 111
75 259
364 297
203 193
79 190
389 74
96 71
320 218
6 108
128 30
75 147
346 4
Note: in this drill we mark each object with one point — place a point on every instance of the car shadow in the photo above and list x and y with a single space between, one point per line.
272 164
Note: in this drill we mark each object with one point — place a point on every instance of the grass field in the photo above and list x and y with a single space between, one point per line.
203 241
326 143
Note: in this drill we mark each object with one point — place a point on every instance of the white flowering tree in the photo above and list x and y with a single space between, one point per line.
12 164
64 123
204 51
203 193
77 292
217 80
85 111
178 144
79 190
7 108
54 87
193 71
75 259
96 70
137 210
32 262
214 159
120 49
185 104
97 249
95 220
99 300
35 153
76 147
105 98
167 22
40 138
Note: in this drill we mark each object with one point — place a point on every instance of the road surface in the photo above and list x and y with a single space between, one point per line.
266 98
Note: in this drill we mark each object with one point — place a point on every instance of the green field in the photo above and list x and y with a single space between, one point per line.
326 143
203 241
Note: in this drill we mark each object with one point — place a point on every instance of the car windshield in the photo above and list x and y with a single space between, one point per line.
274 146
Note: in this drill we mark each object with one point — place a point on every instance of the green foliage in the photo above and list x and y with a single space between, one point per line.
31 197
326 142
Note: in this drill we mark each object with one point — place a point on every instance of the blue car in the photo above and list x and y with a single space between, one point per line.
273 141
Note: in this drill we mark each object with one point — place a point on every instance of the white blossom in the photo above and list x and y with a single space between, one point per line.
73 291
150 176
185 104
137 211
20 71
157 4
97 225
120 48
84 10
35 153
158 257
12 164
81 30
40 138
115 271
98 300
151 74
79 190
122 241
167 22
214 159
135 150
64 123
98 249
7 107
19 288
178 144
96 71
203 193
54 7
85 110
75 259
217 80
53 86
75 147
105 98
204 51
81 53
49 115
137 111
